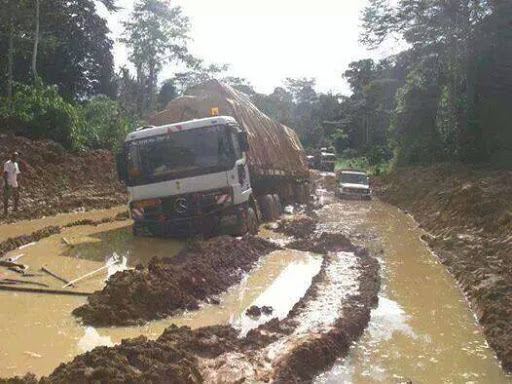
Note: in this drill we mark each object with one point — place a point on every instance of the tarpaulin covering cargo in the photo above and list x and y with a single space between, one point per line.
274 148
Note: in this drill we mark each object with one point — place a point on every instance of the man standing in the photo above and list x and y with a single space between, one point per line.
11 174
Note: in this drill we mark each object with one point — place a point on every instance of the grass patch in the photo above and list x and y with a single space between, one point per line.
362 163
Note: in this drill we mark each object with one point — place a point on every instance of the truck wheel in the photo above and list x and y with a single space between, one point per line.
136 230
266 203
141 230
286 194
299 194
252 221
277 204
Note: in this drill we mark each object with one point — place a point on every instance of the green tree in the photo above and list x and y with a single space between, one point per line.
167 93
105 123
156 33
454 42
71 50
40 112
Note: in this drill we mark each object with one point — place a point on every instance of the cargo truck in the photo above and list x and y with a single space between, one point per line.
191 172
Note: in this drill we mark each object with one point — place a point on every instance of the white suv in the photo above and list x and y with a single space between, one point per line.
354 184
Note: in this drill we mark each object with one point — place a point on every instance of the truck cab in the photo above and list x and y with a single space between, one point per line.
327 161
188 178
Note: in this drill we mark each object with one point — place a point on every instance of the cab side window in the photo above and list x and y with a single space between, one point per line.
236 145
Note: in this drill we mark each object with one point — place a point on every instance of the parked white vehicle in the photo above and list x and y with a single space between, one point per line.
353 184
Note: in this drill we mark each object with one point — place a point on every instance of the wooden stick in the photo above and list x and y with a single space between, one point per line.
66 241
48 291
27 245
5 263
86 275
44 269
16 281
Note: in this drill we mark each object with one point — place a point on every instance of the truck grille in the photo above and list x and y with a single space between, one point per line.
190 204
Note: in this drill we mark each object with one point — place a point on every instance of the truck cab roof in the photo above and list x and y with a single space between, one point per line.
150 131
353 172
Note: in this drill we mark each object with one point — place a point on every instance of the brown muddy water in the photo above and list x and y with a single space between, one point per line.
38 331
422 330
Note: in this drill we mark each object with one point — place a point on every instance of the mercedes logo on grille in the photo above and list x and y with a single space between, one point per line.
181 205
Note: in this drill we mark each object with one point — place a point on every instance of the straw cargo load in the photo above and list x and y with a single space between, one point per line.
275 150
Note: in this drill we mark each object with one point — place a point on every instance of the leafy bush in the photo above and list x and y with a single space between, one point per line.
105 123
378 154
39 112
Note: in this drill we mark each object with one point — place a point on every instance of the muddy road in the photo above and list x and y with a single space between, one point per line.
421 330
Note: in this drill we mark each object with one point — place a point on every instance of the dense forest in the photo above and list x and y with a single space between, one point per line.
446 97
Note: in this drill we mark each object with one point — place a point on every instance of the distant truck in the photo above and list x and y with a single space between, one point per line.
192 173
353 184
327 161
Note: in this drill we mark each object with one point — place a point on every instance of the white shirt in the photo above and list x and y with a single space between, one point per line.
13 171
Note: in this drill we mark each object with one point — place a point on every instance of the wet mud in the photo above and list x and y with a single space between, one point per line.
13 243
297 228
468 214
293 349
166 286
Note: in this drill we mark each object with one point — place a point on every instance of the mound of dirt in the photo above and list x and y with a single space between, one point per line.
173 284
326 242
172 358
319 353
298 228
218 353
13 243
29 378
468 213
54 181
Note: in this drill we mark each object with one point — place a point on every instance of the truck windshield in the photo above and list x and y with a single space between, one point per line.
354 178
180 154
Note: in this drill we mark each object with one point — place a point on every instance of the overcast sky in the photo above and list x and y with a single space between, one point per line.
266 41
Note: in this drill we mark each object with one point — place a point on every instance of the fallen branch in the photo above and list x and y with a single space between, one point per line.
16 281
46 270
47 291
5 263
88 274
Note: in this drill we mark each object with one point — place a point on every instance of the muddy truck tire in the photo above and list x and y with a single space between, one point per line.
286 194
301 194
141 230
252 221
278 205
267 207
248 225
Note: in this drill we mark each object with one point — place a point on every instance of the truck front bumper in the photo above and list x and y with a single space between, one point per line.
354 195
226 221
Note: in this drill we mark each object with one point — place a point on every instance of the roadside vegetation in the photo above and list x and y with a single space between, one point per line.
443 98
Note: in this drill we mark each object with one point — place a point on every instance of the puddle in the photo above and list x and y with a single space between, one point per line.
27 226
286 290
43 324
423 329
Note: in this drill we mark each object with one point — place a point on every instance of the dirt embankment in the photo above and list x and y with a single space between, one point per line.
299 228
55 181
290 350
468 214
198 272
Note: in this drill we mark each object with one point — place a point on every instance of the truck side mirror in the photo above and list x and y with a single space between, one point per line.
122 166
243 141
